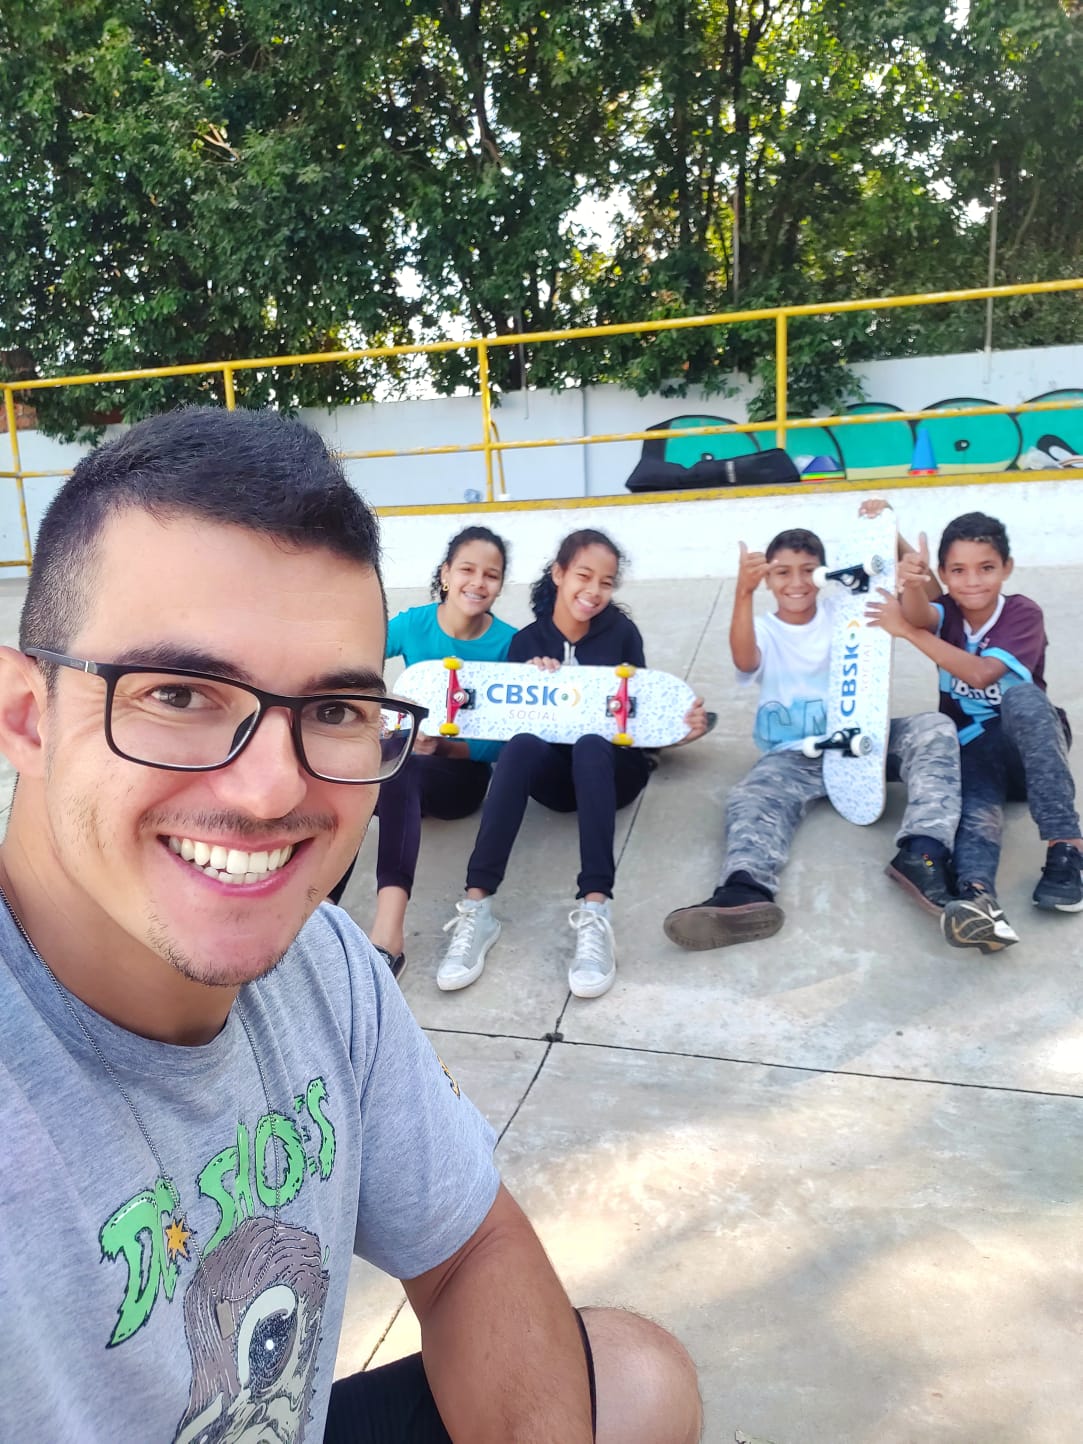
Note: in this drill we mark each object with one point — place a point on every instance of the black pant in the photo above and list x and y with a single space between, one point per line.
1021 757
427 786
591 777
392 1404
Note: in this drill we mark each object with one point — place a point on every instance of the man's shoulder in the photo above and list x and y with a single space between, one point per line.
330 956
332 934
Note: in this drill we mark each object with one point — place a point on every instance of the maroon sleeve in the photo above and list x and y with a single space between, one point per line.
1019 636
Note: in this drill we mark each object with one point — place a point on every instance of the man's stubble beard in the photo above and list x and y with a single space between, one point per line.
209 972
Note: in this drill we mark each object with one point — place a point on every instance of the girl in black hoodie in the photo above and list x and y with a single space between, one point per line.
575 624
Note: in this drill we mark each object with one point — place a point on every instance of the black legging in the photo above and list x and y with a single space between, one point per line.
591 777
427 786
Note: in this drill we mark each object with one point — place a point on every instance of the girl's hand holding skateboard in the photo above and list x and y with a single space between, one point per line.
545 664
751 570
695 719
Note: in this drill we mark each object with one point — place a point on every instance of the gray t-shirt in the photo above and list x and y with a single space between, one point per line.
176 1308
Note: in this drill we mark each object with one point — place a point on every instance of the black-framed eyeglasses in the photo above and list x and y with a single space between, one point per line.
185 721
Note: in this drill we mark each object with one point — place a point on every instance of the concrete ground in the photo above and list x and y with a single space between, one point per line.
844 1164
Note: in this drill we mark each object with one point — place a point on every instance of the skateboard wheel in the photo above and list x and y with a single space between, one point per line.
819 577
449 729
622 739
810 746
452 664
860 746
625 670
875 566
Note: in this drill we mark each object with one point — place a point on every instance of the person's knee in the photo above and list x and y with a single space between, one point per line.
523 744
924 730
647 1387
520 757
935 727
1024 700
592 749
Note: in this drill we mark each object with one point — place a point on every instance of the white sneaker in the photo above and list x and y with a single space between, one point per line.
476 930
594 968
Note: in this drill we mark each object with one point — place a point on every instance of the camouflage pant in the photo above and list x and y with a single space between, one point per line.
763 810
1024 757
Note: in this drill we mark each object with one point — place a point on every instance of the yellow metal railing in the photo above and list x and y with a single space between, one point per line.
491 446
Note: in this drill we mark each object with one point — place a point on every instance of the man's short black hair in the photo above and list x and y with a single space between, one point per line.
797 539
975 526
252 469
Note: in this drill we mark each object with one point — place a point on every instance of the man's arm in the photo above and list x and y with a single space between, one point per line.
975 671
751 570
500 1341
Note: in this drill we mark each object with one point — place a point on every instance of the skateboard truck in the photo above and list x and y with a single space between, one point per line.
621 706
458 697
850 741
855 579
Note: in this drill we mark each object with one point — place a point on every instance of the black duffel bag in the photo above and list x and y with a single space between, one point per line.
761 468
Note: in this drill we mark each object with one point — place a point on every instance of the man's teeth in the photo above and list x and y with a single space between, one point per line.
229 864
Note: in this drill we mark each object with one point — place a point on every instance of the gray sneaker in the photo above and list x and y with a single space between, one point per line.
476 930
594 967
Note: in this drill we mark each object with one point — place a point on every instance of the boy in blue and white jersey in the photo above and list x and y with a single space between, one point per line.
990 651
788 653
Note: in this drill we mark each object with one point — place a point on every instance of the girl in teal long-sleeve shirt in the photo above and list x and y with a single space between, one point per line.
445 777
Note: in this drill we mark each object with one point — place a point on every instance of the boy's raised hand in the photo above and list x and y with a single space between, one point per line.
752 567
913 570
872 506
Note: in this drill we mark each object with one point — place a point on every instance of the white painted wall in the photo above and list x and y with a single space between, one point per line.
679 539
655 534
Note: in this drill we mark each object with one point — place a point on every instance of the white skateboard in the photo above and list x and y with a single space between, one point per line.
854 748
633 707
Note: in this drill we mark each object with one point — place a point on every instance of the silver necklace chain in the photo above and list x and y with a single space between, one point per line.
224 1316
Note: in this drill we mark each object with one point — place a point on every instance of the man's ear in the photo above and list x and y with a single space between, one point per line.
22 703
1009 567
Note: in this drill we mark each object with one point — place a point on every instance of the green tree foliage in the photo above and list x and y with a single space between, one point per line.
227 178
187 182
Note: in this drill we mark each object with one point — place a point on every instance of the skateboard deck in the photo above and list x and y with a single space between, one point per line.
854 747
633 707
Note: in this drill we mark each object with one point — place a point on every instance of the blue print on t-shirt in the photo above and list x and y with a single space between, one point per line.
778 725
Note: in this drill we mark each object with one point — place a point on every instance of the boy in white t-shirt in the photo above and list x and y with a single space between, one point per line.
788 654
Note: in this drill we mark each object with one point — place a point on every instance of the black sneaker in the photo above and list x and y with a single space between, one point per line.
924 877
395 961
976 920
1060 887
740 911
